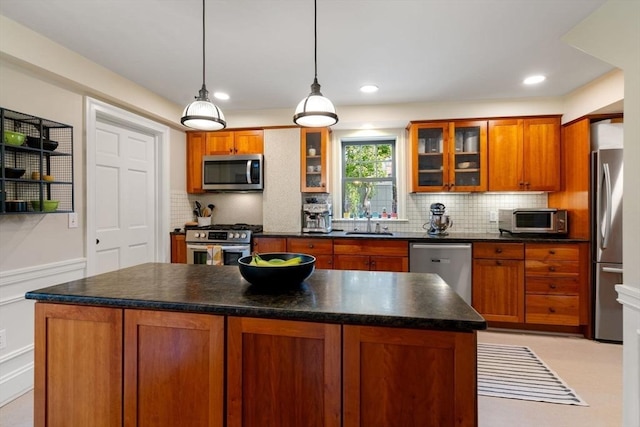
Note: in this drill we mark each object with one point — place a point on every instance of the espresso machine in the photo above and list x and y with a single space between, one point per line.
316 217
439 220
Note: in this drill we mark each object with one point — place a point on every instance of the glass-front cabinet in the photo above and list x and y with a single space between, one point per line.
449 156
314 155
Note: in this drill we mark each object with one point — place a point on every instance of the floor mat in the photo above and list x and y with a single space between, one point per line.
516 372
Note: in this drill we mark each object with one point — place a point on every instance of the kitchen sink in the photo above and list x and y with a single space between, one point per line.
369 233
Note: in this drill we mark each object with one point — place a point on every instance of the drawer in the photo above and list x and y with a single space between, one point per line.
553 285
551 268
552 310
371 247
310 246
552 252
498 250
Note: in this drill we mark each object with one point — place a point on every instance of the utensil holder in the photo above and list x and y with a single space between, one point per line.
203 221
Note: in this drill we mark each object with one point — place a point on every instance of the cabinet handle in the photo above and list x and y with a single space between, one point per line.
552 310
97 241
521 183
552 252
498 262
311 245
552 285
498 250
552 268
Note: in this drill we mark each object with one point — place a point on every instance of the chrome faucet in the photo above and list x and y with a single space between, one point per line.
367 214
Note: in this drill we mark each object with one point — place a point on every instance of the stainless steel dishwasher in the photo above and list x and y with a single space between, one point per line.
452 262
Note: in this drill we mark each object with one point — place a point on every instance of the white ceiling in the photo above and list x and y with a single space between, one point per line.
261 51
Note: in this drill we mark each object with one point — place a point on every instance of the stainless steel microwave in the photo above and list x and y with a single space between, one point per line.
533 221
243 172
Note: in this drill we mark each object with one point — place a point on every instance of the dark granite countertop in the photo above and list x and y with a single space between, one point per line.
425 237
408 300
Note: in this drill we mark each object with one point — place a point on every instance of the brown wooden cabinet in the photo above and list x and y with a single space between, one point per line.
201 144
321 248
554 276
314 160
371 254
164 366
524 154
498 281
173 368
283 373
234 142
449 156
404 377
178 248
78 366
269 244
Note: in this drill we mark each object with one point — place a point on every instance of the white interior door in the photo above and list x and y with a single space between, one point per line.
124 197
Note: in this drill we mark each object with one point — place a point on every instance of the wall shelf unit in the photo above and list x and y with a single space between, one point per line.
38 170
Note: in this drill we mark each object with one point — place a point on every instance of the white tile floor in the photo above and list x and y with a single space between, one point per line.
592 369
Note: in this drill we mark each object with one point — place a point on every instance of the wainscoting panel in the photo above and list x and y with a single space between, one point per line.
17 320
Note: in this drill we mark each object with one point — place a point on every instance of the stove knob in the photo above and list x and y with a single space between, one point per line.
230 235
196 235
243 235
237 235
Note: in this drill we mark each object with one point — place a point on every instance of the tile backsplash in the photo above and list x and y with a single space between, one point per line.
470 212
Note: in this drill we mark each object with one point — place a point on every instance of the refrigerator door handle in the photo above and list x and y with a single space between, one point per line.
606 183
612 270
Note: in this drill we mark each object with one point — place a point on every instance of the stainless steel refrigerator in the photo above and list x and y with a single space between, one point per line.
606 199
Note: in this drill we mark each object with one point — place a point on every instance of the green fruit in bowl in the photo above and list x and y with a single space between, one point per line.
13 138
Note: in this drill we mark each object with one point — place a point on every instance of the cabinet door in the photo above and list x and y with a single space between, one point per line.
174 369
219 143
468 156
78 366
283 373
314 160
430 154
498 289
389 263
195 150
408 377
351 262
269 244
505 155
541 155
249 142
178 249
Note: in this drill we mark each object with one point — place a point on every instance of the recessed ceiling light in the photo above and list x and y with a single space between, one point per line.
221 95
532 80
369 88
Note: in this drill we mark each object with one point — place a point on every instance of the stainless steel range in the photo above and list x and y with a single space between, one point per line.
231 241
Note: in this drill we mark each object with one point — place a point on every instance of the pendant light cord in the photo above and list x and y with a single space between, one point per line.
315 38
203 41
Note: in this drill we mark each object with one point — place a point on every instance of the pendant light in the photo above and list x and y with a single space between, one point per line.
315 110
202 114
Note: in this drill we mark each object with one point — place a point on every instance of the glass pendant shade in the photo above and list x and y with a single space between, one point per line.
315 110
202 114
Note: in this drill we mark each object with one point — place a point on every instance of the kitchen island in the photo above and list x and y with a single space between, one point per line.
172 344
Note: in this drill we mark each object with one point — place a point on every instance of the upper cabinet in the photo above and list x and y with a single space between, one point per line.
36 164
524 154
234 142
449 156
201 144
314 156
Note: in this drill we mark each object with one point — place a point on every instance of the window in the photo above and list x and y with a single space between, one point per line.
369 177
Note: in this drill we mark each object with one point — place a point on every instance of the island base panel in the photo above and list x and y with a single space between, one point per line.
403 377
